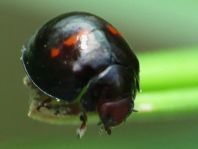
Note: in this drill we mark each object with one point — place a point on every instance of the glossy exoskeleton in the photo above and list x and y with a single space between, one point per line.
82 60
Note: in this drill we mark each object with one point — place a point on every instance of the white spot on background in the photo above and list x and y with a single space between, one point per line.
145 107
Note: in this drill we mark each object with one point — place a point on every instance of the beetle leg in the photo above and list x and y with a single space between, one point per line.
108 130
81 130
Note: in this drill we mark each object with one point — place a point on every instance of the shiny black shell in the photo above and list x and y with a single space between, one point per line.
71 50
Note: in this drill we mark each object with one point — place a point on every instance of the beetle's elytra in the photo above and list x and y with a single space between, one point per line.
84 64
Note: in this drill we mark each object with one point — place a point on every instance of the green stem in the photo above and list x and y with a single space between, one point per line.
169 69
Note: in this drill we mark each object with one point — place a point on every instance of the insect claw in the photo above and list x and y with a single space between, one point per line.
83 127
108 130
81 131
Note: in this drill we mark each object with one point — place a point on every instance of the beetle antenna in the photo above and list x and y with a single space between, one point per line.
133 110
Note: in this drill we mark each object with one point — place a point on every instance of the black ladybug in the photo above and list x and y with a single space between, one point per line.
82 61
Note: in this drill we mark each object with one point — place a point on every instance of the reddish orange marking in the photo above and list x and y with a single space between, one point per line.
73 39
55 52
112 30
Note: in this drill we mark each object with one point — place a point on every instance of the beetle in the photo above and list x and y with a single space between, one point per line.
82 62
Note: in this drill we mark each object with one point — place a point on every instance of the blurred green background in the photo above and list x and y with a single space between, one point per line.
163 33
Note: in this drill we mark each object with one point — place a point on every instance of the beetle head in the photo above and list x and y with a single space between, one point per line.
114 112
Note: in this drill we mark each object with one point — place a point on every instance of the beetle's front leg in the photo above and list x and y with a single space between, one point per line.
81 130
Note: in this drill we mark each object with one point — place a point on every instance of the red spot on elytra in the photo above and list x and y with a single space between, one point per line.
55 52
112 30
73 39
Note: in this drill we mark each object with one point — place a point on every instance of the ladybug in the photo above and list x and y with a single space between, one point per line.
78 63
